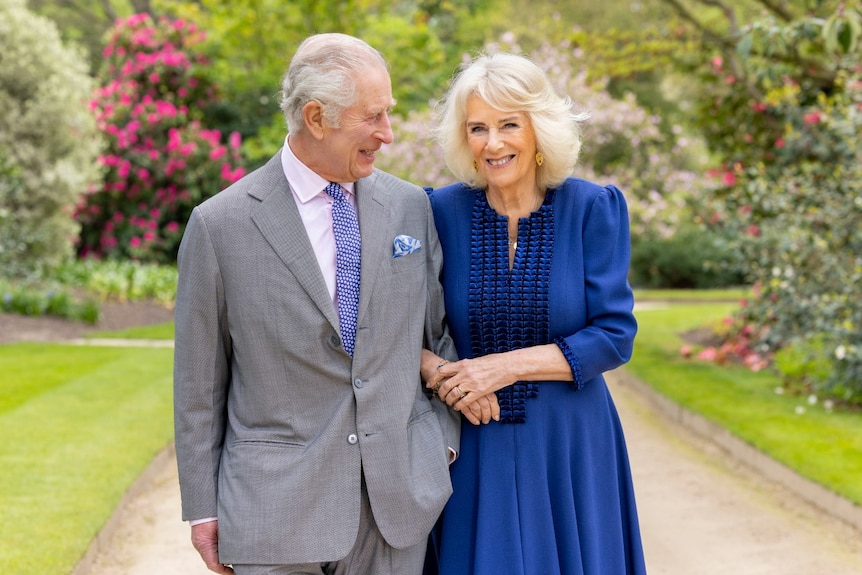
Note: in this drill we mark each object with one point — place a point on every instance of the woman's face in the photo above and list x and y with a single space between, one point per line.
503 145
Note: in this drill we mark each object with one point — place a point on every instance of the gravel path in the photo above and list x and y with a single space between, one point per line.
701 512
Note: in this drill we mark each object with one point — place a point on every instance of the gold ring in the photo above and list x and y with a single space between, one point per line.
460 391
436 387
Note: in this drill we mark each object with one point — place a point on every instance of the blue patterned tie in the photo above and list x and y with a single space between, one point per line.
345 226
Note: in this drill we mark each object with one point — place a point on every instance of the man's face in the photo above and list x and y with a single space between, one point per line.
364 129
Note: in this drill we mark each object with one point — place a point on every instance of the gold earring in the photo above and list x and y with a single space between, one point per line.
540 159
475 166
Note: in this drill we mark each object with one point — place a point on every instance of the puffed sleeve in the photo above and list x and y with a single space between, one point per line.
607 339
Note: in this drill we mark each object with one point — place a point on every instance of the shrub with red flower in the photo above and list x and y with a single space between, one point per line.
791 203
161 160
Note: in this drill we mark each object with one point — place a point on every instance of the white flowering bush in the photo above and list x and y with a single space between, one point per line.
48 141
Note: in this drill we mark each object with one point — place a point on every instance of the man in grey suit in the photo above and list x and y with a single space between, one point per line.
300 449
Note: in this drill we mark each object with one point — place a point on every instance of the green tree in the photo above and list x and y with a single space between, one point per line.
48 141
85 22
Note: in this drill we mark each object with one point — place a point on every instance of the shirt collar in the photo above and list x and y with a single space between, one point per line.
306 184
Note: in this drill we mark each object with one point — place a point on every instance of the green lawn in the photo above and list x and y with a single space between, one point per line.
156 331
79 424
824 446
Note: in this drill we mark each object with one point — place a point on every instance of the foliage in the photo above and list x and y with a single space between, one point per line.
120 280
782 107
85 22
48 141
74 289
26 299
161 159
689 258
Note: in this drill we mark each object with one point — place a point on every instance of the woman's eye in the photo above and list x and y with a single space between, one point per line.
477 129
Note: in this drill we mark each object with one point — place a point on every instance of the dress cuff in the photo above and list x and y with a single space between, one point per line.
574 364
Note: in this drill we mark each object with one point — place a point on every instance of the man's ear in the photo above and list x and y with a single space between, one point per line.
312 115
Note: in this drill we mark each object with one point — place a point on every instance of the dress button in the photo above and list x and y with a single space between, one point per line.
357 382
333 340
352 439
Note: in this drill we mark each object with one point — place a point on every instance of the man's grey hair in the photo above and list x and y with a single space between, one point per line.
323 70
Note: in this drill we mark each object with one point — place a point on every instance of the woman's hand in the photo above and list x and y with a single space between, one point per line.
463 384
466 382
483 410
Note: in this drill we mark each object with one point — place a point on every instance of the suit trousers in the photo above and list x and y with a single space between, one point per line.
371 555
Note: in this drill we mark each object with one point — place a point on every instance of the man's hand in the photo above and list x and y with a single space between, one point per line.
205 540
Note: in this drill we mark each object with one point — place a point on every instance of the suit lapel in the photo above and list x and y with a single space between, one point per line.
376 236
278 219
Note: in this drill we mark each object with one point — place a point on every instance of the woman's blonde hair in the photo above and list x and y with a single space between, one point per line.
510 83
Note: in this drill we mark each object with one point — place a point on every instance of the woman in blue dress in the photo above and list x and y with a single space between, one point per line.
538 302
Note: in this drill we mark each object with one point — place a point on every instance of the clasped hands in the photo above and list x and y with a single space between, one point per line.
469 386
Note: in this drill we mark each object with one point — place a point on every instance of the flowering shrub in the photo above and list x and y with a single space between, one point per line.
48 141
790 192
161 161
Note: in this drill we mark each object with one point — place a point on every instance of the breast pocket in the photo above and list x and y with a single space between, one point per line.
414 263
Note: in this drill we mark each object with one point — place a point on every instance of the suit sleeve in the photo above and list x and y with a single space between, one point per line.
437 338
201 370
607 340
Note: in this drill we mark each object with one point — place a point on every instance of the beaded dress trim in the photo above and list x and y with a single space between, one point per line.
509 309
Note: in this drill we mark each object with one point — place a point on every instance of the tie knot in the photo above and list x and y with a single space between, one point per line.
335 191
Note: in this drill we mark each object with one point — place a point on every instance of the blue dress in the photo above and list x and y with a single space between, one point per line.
548 489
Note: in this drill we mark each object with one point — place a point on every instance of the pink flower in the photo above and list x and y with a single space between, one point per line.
685 351
708 354
779 143
135 242
172 227
729 178
217 153
234 140
811 118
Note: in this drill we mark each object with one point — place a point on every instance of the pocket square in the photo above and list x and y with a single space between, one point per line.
405 245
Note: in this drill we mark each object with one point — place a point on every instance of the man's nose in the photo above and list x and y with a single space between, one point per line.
384 133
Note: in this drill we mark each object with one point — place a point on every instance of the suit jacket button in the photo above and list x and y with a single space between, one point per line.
352 439
357 382
334 341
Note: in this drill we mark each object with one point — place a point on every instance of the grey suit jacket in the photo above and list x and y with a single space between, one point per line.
275 423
